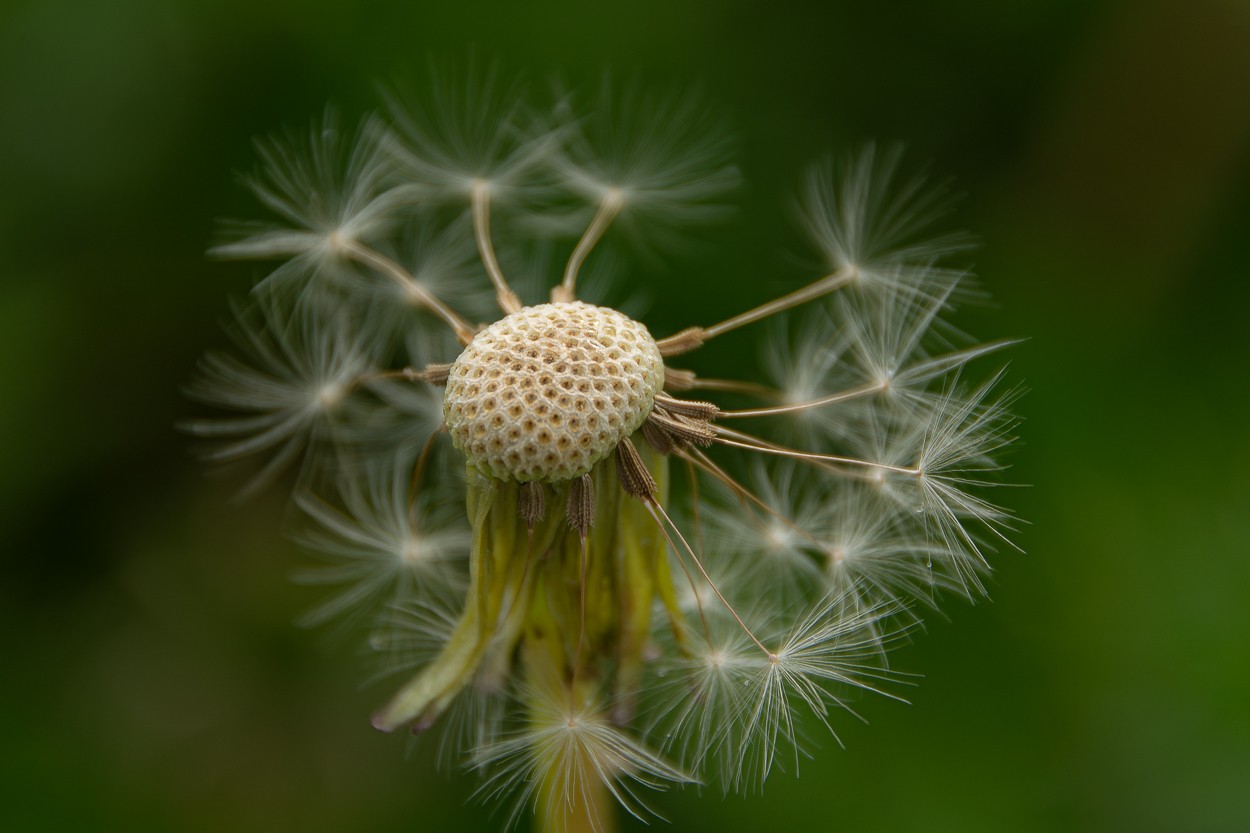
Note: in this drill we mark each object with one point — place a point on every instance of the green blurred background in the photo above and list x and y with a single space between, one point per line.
153 678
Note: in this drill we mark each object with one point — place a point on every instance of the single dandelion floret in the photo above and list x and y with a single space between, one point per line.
935 467
832 650
874 553
701 691
331 191
471 131
293 383
900 346
564 756
873 224
652 174
769 540
385 549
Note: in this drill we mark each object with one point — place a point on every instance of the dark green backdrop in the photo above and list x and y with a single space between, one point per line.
153 679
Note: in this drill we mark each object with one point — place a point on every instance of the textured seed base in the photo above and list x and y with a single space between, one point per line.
549 391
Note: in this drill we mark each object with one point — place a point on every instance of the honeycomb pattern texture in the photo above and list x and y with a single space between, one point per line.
545 393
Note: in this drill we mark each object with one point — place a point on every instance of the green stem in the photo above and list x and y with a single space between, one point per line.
588 810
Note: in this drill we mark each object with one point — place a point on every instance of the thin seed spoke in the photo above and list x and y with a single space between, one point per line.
418 470
655 508
507 299
434 374
584 552
681 562
842 396
756 444
734 386
693 474
688 340
609 207
408 374
827 284
463 330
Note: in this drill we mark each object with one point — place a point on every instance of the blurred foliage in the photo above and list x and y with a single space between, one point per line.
154 680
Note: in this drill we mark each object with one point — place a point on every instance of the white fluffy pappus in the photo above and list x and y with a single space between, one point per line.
562 754
650 162
472 127
726 706
292 383
330 189
862 214
383 549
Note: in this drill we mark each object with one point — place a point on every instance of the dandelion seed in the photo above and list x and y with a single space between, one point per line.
473 131
646 162
865 217
390 550
331 192
494 501
292 383
832 647
771 542
564 757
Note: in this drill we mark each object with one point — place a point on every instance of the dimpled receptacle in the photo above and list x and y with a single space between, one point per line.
546 392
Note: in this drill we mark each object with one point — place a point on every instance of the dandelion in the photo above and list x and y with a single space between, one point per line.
601 572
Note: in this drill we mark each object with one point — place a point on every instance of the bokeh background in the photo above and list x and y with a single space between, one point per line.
153 678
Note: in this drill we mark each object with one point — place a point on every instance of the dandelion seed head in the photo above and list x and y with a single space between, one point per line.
602 572
547 392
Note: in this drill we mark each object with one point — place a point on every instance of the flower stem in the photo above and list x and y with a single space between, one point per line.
585 810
